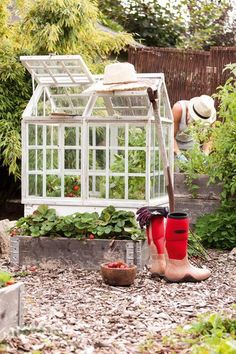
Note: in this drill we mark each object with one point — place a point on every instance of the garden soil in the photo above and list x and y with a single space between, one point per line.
69 310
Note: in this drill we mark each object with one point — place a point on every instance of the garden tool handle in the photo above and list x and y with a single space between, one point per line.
168 180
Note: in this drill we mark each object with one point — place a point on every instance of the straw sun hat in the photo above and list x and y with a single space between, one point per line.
202 108
120 77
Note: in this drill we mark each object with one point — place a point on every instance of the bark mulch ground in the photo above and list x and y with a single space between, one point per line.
69 310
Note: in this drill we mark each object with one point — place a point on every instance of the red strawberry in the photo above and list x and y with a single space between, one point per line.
91 236
123 266
32 269
75 188
10 282
110 265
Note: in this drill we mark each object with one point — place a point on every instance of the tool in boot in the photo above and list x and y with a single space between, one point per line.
168 180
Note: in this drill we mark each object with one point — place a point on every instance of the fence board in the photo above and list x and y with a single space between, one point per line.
188 73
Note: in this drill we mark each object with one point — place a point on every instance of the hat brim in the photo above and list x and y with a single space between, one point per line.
194 116
138 85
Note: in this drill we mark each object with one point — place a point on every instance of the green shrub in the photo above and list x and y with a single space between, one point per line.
218 230
210 333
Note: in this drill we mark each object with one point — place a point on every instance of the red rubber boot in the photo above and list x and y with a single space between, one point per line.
156 240
178 268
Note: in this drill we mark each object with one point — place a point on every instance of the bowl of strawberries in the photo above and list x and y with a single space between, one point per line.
118 273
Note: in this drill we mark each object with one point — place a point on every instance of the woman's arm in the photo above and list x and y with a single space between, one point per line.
177 113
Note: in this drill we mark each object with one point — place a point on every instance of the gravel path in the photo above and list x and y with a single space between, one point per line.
69 310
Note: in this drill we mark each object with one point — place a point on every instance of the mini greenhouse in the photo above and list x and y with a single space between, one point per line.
85 151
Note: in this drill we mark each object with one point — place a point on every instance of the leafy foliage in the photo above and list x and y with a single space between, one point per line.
210 333
223 161
4 278
188 24
204 22
58 26
112 223
70 27
15 91
150 22
217 230
4 16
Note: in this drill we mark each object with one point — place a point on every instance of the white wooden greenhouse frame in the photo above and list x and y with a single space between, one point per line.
84 151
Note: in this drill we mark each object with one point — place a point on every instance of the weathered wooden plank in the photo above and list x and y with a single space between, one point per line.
87 254
204 191
196 207
11 308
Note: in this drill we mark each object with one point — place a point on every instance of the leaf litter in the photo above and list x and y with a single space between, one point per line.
70 310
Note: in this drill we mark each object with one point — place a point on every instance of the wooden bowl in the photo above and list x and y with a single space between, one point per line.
118 276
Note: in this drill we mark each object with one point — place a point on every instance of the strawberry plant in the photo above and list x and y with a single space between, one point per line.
5 279
72 186
112 223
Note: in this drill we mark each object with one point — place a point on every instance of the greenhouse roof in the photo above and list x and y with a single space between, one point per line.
58 70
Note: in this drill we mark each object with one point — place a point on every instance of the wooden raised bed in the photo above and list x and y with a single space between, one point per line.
89 254
205 200
11 308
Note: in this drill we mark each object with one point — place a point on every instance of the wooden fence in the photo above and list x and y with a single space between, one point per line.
187 73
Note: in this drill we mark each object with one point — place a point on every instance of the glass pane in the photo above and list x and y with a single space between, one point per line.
121 136
162 108
97 159
92 160
31 137
162 185
97 136
70 159
40 135
117 136
101 136
137 136
48 135
55 135
137 161
70 136
156 160
32 159
55 159
40 160
51 159
99 108
154 187
153 134
91 136
116 187
136 187
117 161
53 186
97 186
165 134
31 183
39 185
100 160
72 186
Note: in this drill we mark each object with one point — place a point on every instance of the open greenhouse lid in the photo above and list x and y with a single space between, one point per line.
58 70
